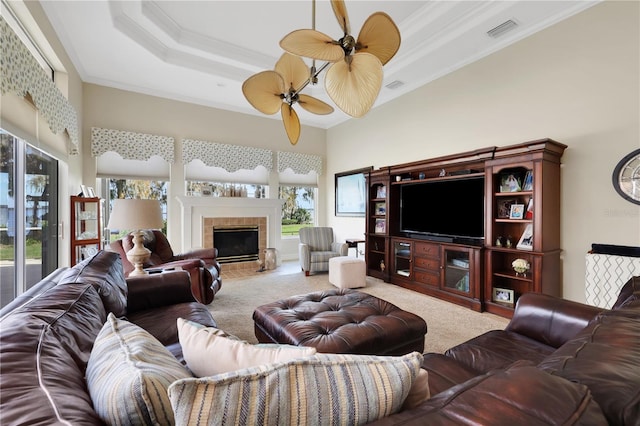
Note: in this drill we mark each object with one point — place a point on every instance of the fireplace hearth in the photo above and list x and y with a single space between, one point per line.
236 243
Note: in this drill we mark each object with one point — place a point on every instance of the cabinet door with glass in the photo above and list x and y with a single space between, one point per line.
460 274
85 228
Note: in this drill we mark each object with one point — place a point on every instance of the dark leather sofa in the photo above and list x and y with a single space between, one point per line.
46 336
202 264
557 362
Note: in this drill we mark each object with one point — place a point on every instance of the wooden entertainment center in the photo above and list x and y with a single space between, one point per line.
454 254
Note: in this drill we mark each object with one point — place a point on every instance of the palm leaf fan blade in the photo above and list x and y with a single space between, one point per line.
264 90
379 36
291 123
340 10
354 87
293 70
312 44
313 105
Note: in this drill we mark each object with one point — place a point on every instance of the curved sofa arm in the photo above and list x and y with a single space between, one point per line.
158 290
342 248
304 254
550 320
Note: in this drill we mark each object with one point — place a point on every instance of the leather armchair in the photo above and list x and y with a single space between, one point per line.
316 247
201 264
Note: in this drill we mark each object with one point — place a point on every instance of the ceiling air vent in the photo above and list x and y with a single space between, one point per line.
394 84
502 28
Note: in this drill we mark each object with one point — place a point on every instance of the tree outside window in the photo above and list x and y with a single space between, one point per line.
298 209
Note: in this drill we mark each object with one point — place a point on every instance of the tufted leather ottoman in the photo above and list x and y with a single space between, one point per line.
341 321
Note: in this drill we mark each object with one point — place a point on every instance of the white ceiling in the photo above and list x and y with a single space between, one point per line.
202 51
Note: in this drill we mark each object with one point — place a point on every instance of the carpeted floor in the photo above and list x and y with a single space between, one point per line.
447 324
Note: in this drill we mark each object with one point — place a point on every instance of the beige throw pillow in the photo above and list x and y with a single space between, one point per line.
207 352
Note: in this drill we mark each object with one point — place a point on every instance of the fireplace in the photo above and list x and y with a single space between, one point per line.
236 243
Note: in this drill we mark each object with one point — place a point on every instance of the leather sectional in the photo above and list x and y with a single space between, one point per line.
557 362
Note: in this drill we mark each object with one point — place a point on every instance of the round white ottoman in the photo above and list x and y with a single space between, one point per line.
347 272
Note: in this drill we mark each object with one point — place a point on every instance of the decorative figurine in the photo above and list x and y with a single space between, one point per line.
382 265
499 242
508 243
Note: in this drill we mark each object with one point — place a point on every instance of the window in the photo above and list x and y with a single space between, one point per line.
218 189
132 188
298 209
29 190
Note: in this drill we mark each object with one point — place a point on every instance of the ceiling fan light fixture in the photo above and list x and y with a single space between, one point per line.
354 75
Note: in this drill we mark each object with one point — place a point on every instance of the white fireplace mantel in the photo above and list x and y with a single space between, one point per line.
195 209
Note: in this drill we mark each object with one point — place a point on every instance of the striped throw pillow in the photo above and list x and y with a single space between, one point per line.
128 374
321 389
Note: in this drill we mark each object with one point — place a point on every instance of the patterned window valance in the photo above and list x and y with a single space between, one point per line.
300 163
21 74
228 157
131 145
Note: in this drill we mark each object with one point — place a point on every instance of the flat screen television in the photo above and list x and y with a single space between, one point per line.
444 210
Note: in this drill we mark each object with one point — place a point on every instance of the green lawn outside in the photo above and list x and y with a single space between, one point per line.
34 251
291 230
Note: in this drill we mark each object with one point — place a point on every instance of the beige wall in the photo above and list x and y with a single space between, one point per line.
577 82
123 110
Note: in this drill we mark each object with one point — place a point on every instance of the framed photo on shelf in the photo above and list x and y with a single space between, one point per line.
511 182
84 191
503 296
527 185
351 192
381 226
516 211
380 209
90 192
381 192
504 207
526 240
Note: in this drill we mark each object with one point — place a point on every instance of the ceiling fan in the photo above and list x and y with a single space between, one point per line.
354 75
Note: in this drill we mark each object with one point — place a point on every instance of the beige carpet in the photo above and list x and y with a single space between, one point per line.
447 324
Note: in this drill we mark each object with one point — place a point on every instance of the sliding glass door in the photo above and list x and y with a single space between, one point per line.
28 216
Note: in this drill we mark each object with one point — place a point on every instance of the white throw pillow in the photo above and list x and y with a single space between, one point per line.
207 352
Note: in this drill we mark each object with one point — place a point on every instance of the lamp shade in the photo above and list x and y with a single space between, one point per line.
135 214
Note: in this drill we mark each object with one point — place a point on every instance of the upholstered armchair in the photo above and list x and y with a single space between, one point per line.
202 265
316 247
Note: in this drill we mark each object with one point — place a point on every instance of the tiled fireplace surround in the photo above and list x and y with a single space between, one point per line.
208 223
200 214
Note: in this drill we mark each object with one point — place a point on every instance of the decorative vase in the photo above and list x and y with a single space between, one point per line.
270 258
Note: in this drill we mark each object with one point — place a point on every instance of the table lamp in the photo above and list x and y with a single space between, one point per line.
136 215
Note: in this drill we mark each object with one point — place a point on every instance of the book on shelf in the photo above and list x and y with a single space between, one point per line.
526 240
403 272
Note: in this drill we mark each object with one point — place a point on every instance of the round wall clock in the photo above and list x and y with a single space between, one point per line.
626 177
